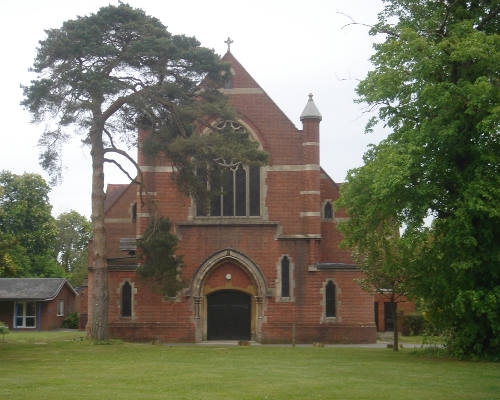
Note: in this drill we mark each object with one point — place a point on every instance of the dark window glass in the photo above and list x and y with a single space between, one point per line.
330 299
134 212
201 207
254 191
25 315
30 309
238 194
126 310
215 206
285 277
202 203
227 193
228 82
241 191
388 318
214 182
328 212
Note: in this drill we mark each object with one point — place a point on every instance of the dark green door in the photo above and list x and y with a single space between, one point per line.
228 315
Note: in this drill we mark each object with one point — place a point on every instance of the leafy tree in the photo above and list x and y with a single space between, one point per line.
9 265
74 234
104 74
27 228
373 232
437 175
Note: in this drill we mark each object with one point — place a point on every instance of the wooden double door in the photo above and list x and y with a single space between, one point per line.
229 315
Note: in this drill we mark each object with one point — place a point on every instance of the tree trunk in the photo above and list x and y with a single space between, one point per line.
394 307
98 301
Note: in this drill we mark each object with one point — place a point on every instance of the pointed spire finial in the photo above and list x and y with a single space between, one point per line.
228 41
310 111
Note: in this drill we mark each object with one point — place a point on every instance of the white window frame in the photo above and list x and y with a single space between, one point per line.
60 308
20 314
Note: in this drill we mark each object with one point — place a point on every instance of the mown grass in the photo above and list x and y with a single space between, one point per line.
64 365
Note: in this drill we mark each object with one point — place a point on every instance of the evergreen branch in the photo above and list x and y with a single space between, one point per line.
489 17
123 153
441 30
172 108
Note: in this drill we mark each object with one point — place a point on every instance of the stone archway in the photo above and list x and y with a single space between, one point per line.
233 275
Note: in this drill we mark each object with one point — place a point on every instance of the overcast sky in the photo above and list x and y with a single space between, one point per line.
291 48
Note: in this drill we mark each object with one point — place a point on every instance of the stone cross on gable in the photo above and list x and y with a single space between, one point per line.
228 42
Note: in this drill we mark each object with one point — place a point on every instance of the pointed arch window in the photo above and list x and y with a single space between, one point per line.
330 306
285 277
126 300
235 188
328 210
238 194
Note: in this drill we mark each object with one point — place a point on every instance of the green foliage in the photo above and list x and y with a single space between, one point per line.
161 268
4 329
27 228
74 234
437 175
71 321
414 324
372 232
10 265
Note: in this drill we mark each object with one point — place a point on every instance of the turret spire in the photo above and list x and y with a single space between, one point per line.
310 110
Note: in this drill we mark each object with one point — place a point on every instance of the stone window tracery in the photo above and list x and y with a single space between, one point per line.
239 186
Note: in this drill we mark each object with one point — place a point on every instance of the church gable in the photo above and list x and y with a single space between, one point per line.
279 136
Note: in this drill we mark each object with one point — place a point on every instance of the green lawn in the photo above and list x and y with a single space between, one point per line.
64 365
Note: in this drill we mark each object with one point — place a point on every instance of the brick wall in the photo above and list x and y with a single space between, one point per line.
294 189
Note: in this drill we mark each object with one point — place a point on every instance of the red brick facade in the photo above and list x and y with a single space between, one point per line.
383 312
242 258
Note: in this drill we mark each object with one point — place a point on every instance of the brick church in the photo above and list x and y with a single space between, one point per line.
263 263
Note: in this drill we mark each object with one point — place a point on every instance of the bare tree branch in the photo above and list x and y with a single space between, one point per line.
377 29
123 153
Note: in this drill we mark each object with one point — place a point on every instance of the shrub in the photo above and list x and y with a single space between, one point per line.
71 321
3 330
413 324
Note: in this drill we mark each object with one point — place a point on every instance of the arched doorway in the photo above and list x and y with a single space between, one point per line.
228 315
228 280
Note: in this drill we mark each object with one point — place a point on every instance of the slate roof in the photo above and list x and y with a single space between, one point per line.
113 193
34 289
